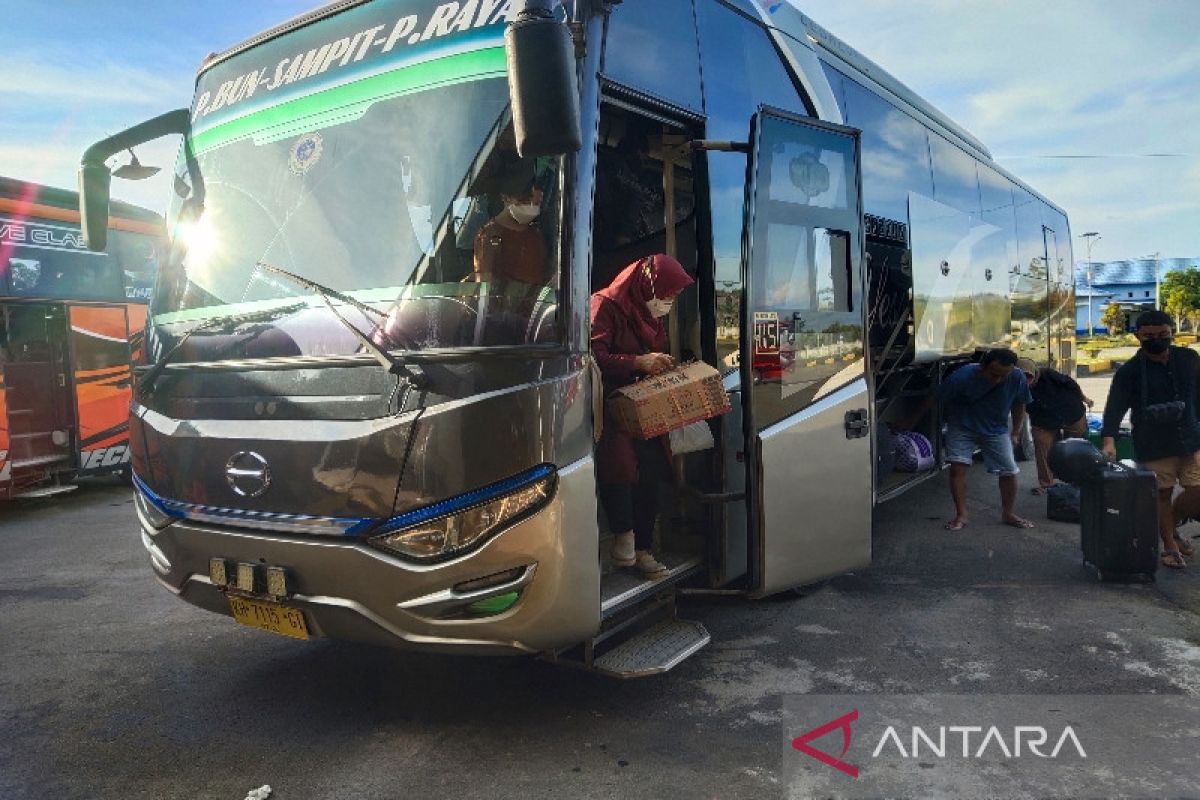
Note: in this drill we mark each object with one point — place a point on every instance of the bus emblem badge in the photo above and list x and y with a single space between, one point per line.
305 153
247 473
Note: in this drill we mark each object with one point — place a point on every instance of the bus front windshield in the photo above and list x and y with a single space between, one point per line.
416 204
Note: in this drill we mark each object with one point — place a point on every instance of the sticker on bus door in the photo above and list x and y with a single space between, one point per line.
765 361
103 384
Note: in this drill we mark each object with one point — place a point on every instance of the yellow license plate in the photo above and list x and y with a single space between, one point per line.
269 617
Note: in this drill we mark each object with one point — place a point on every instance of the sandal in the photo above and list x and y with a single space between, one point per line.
1038 490
1185 547
1172 559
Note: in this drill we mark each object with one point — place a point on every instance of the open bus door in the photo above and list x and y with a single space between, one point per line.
100 344
805 400
37 405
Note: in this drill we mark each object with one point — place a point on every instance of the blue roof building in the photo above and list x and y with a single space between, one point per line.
1128 283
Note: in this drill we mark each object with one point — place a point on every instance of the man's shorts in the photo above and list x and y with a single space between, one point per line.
1184 469
961 445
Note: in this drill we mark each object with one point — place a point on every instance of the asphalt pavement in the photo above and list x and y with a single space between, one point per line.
112 688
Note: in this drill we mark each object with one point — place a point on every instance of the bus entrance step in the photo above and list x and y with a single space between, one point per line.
45 491
625 587
654 650
37 461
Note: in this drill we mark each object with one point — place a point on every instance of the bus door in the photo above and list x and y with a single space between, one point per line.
103 384
37 398
806 419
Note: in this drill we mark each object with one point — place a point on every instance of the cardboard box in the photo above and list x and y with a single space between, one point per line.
681 396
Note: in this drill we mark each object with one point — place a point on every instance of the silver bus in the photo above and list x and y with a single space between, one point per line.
337 432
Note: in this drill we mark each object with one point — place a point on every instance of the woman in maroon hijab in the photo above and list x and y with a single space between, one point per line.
629 341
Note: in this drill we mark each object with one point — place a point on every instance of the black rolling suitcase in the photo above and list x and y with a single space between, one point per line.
1119 524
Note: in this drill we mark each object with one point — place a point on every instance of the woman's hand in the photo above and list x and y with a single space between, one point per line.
653 363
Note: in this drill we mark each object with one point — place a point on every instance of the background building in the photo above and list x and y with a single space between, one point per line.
1131 284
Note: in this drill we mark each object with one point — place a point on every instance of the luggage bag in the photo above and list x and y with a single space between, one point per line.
1062 502
1119 524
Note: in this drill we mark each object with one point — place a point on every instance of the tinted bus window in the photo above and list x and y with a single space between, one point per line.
955 181
895 155
44 259
995 192
652 46
136 256
741 71
1030 243
1056 220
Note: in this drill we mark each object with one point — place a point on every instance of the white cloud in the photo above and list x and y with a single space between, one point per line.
33 80
1036 78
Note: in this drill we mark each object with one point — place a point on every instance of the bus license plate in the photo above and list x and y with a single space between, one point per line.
269 617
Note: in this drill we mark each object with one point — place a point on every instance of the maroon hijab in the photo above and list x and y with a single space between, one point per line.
658 276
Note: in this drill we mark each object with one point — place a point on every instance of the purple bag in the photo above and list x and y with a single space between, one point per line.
914 453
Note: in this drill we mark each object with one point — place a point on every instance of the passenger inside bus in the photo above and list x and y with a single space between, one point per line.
512 245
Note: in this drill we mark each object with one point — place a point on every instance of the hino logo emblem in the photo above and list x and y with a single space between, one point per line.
247 473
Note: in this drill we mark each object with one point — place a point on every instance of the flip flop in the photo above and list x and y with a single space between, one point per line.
1038 490
1172 559
1018 523
1185 547
955 525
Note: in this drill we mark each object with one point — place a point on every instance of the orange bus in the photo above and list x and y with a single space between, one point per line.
71 323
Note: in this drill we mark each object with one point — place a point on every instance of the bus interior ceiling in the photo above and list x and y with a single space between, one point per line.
632 217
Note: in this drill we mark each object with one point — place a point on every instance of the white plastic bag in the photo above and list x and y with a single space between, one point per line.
691 438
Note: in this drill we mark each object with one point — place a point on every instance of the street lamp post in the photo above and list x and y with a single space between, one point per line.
1157 293
1089 237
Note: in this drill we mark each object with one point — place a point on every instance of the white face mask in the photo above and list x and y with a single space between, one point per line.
659 308
524 213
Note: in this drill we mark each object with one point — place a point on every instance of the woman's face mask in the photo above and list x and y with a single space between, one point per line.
659 308
524 213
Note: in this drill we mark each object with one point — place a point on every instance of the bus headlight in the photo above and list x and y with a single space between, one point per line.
461 523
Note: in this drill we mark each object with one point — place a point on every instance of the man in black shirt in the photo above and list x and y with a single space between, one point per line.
1159 385
1058 406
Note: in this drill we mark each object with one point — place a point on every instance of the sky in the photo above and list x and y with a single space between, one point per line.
1036 80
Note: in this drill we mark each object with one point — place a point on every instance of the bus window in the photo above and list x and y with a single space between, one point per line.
955 181
895 154
652 47
741 72
136 256
805 299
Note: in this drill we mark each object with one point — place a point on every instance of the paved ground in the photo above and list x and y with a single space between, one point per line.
110 688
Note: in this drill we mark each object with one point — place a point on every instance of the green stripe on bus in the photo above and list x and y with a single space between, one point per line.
459 68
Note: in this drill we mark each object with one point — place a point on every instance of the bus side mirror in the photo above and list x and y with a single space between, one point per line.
95 178
541 82
94 181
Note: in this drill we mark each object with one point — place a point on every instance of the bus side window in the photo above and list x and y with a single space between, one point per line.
741 72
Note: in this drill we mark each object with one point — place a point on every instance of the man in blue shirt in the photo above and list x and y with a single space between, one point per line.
976 402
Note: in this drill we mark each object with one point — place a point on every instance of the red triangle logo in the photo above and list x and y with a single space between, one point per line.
843 723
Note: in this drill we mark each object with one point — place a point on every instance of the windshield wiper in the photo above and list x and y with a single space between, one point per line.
414 375
147 380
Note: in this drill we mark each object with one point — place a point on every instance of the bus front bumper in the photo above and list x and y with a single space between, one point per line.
348 590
